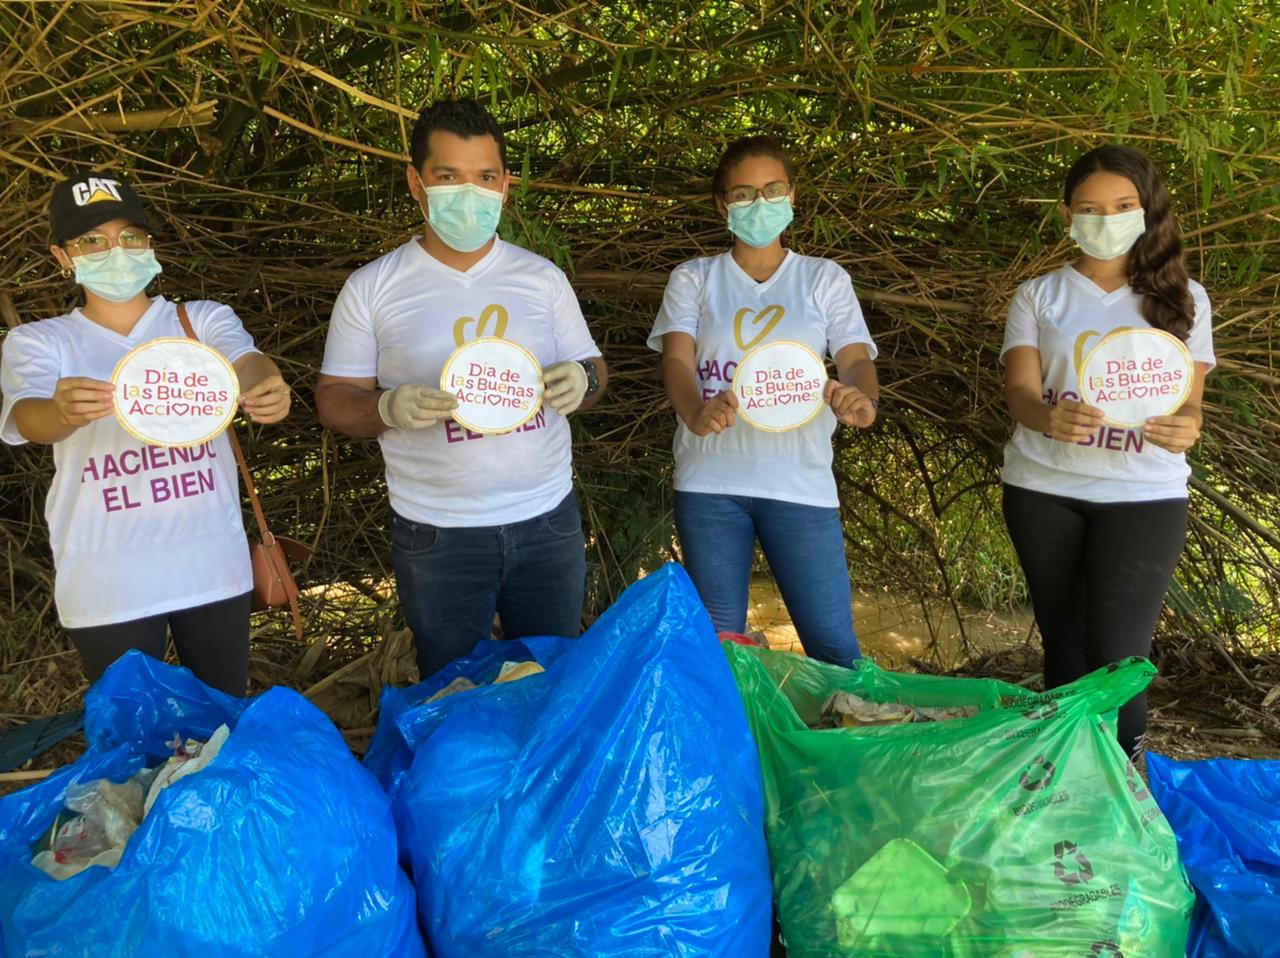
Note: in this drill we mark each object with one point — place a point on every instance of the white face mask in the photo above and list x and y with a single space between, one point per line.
1106 237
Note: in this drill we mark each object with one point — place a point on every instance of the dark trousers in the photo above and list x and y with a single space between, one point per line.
452 580
1097 573
212 641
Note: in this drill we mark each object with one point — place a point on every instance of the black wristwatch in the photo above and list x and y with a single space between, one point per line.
593 378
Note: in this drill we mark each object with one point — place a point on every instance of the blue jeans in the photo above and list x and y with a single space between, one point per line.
451 581
804 546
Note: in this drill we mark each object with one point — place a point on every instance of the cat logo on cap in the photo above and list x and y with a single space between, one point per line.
95 190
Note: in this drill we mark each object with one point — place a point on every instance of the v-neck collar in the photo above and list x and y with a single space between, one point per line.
465 277
760 288
138 334
1097 291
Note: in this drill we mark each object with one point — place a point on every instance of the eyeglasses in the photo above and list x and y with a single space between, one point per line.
745 195
96 246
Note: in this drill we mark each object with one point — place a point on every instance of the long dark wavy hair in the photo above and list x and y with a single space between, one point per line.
1157 271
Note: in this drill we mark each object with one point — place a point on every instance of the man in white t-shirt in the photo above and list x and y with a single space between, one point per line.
480 523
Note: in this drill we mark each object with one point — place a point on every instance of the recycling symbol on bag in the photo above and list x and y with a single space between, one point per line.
1105 949
1039 774
1136 785
1083 871
1046 711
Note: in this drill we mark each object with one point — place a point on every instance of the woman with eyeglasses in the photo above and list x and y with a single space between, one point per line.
134 561
734 483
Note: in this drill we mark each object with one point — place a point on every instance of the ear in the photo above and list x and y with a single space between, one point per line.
415 182
722 208
506 186
60 255
1065 212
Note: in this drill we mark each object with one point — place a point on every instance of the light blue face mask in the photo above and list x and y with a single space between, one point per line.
463 215
761 222
119 276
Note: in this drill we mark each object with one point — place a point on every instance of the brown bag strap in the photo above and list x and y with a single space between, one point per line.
235 446
284 574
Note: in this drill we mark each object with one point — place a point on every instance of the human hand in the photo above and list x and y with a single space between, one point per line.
716 415
268 401
1072 421
564 384
411 406
80 400
1174 433
851 405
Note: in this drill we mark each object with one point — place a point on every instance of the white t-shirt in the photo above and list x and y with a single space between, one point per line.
136 530
400 317
728 313
1056 313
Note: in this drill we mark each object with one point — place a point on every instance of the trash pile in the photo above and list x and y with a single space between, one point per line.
847 710
1016 826
642 790
100 816
603 800
254 831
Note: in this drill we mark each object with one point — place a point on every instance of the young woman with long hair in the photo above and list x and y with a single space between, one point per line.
1098 513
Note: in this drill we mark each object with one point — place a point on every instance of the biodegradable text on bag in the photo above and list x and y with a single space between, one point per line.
1018 831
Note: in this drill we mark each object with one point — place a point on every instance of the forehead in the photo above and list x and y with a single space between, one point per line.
1103 186
756 171
110 227
462 152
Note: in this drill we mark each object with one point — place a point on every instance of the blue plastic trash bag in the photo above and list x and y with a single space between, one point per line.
610 806
283 845
1226 815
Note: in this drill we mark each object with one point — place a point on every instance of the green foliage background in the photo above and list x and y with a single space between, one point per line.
931 139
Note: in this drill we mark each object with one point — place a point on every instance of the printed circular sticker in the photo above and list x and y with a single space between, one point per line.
779 385
1134 374
174 392
498 384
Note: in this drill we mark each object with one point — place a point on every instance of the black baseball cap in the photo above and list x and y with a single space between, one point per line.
78 205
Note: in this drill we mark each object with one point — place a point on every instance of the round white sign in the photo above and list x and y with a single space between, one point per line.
1134 374
175 392
779 385
498 384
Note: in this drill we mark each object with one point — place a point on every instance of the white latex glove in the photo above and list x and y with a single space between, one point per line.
415 407
564 385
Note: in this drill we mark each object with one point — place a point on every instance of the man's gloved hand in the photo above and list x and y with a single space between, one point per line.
564 385
415 407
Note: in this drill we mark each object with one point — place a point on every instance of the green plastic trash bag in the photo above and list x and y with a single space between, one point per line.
1020 831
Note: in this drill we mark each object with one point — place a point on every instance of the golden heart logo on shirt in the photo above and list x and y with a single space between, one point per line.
493 314
1087 335
764 321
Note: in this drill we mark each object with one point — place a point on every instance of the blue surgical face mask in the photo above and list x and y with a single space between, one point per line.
761 222
463 215
119 276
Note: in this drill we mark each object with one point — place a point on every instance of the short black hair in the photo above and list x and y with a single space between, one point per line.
465 118
744 149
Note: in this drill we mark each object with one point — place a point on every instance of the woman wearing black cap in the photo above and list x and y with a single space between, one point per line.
146 539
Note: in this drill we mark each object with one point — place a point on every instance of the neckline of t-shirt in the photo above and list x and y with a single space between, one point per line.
135 334
1097 290
755 284
478 268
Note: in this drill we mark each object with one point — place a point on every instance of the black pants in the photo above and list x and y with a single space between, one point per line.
1097 574
212 641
